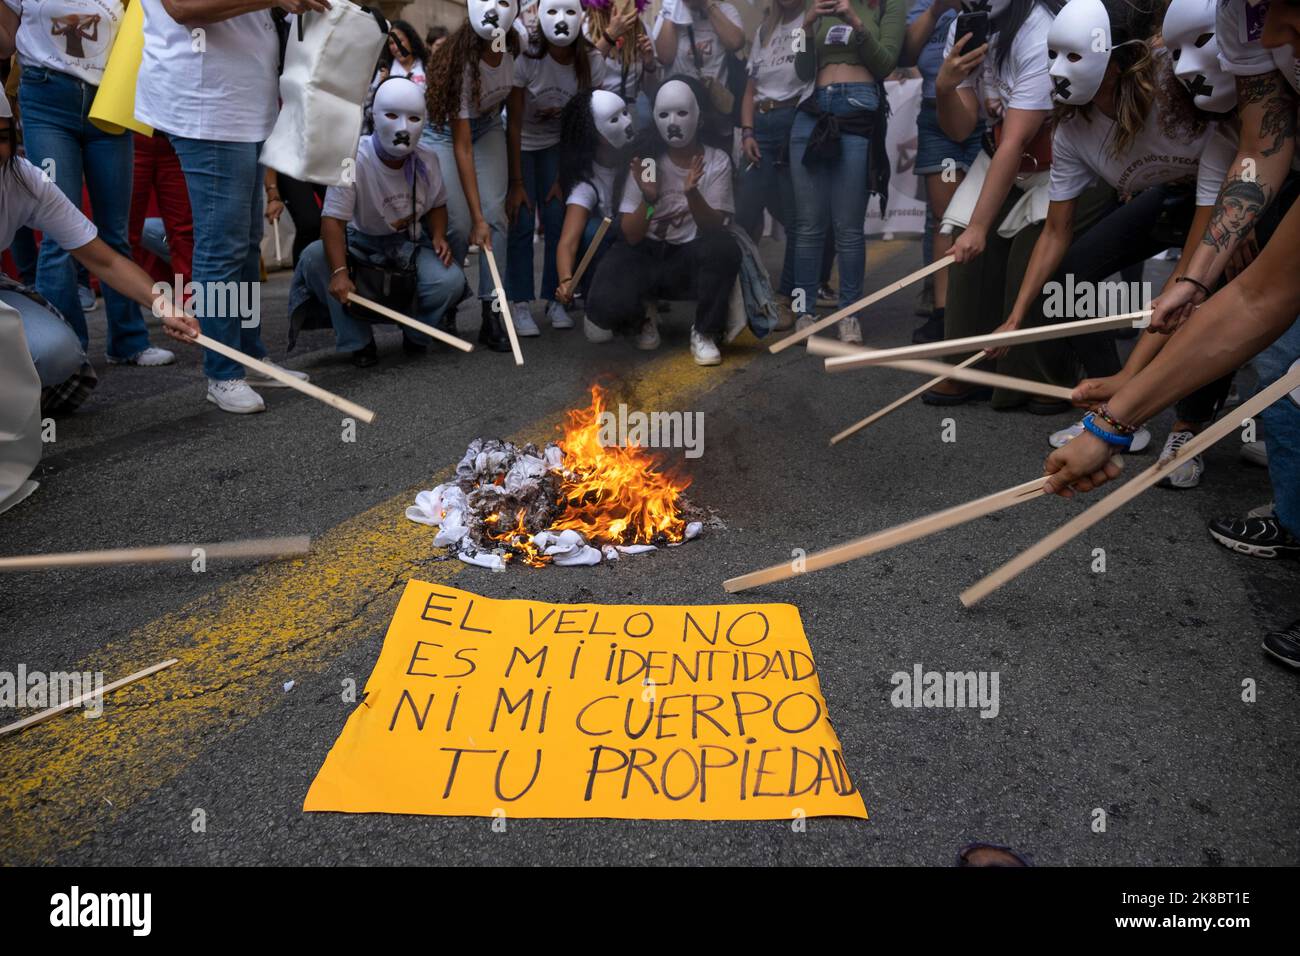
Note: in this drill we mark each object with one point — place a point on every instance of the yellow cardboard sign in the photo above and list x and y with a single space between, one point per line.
113 109
481 707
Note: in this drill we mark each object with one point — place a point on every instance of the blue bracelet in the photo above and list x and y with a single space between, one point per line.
1110 438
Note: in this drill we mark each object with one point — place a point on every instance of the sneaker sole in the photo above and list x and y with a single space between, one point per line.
120 361
649 346
708 362
1252 550
1293 664
236 411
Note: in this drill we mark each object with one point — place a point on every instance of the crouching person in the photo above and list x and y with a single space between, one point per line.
597 131
675 244
371 227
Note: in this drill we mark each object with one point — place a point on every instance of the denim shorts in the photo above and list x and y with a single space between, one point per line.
933 147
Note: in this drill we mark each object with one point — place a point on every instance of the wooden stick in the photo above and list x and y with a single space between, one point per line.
861 304
892 537
899 402
504 305
1126 493
406 320
82 698
590 253
159 554
980 377
993 340
280 375
279 253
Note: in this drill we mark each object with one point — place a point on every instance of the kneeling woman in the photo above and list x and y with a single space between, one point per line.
675 244
376 221
597 131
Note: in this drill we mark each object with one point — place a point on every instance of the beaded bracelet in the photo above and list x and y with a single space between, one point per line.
1110 438
1123 428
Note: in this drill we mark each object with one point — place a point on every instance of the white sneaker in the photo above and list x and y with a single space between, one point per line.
1141 437
594 332
1186 475
850 331
86 298
265 381
559 316
803 322
235 396
647 339
149 357
704 350
525 327
1254 453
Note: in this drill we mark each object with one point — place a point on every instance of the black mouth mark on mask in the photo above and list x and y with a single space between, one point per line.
490 19
1199 87
561 29
402 138
1061 87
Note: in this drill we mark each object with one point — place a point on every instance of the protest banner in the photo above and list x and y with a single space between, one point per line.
495 708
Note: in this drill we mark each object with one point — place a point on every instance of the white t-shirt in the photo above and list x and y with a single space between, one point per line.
1022 81
547 87
771 64
1081 153
41 206
597 194
378 203
229 92
1238 28
707 45
611 77
415 74
71 36
672 221
496 83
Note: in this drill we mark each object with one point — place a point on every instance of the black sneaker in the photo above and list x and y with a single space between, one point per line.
929 331
1258 537
366 356
414 348
1284 645
827 295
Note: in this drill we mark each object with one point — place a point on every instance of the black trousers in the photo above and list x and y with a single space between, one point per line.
300 199
627 276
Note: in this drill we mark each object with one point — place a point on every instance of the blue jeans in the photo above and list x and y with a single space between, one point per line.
1281 426
440 287
61 140
831 195
541 167
492 170
56 353
770 185
224 181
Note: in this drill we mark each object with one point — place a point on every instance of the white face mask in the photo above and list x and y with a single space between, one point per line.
399 113
994 8
560 19
613 121
486 17
677 115
1189 36
1078 46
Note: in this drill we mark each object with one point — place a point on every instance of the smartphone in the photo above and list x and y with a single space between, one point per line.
977 25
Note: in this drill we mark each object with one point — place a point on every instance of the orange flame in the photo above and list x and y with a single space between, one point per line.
613 494
518 541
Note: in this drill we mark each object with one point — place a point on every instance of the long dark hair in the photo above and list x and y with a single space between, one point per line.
413 43
579 142
11 170
446 76
1012 19
539 46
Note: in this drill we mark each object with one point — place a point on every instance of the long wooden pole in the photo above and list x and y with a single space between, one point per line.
504 305
82 698
159 554
900 402
993 340
590 253
1130 490
409 322
861 304
891 537
284 378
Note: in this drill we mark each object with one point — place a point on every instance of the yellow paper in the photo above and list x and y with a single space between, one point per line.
483 707
113 110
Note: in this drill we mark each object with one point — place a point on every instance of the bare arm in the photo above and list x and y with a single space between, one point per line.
9 23
732 36
133 282
198 13
566 251
666 42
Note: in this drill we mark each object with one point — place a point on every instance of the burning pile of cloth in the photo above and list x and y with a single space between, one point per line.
573 504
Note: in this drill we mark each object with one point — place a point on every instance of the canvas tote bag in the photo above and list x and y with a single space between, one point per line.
328 64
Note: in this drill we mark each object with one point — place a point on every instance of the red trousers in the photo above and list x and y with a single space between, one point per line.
159 188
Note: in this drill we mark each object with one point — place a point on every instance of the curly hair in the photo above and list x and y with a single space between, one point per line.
445 76
1146 74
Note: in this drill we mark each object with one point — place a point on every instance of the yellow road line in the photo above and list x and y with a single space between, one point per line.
64 780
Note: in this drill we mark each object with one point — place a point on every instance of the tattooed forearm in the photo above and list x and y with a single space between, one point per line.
1240 203
1269 98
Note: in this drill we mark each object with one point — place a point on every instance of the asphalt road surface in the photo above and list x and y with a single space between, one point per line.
1120 691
